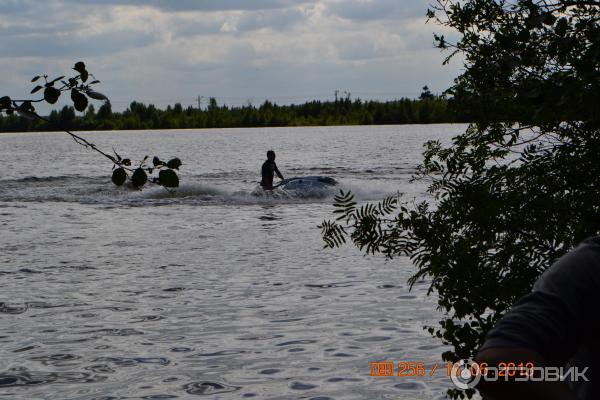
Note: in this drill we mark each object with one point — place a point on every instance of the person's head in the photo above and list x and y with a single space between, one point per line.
271 155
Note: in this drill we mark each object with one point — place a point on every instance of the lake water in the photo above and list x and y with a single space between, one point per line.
111 293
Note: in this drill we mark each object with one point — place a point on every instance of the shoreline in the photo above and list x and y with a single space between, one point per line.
231 128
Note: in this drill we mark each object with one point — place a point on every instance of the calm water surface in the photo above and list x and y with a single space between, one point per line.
110 293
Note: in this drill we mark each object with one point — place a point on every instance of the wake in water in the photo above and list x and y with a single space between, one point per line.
196 190
192 193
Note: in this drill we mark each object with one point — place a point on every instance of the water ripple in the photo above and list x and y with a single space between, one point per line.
7 309
221 353
114 332
56 360
208 388
23 377
128 362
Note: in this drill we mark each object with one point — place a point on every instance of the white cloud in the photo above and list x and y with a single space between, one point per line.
167 51
198 5
368 10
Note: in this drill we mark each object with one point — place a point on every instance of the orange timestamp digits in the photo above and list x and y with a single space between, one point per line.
410 369
404 369
512 369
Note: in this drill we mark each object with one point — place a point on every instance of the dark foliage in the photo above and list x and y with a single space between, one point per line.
520 187
429 109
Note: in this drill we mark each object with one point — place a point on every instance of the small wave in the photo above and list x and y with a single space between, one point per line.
405 169
52 179
209 388
372 191
193 191
206 194
8 309
278 196
24 377
185 190
29 179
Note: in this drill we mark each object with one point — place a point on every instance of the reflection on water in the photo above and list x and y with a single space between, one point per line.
110 294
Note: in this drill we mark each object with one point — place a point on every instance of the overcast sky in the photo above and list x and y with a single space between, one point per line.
239 51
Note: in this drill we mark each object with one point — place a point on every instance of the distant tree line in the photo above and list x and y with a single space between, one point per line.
427 109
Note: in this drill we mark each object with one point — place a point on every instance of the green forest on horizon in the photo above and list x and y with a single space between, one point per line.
428 108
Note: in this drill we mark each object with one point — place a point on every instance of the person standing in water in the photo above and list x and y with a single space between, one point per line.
268 170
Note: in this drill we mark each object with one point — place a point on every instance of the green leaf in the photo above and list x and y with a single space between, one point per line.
126 162
139 177
96 95
549 19
119 176
35 89
156 161
174 163
168 178
55 79
561 27
51 94
5 102
35 78
79 100
79 66
524 35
